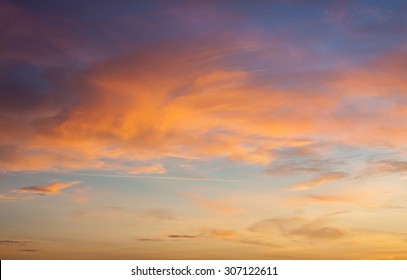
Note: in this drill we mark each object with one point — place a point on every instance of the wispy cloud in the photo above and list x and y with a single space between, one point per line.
182 236
160 177
149 239
389 166
148 169
30 250
356 198
219 233
244 237
319 180
13 242
311 229
50 189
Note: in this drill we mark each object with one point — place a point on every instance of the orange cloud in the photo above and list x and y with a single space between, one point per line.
50 189
130 110
149 169
317 181
342 197
185 101
351 198
219 233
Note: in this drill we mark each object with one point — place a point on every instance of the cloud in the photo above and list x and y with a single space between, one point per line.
149 169
323 232
184 236
159 177
389 166
13 242
291 169
310 229
353 198
124 109
311 158
170 237
344 196
30 250
50 189
219 233
260 242
244 237
317 181
149 239
206 93
153 86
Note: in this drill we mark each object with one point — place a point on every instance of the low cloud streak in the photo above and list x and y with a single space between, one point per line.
50 189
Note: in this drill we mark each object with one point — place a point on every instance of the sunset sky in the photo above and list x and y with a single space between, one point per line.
203 129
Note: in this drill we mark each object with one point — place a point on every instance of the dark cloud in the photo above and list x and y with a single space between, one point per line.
30 250
149 239
50 189
182 236
13 242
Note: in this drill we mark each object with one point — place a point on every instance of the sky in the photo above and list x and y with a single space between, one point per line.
203 129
